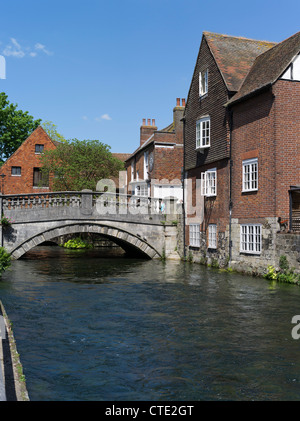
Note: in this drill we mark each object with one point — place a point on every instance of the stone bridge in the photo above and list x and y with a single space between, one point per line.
135 223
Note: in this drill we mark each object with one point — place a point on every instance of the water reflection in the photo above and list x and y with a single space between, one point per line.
92 327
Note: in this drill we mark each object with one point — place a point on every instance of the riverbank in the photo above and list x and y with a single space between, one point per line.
12 379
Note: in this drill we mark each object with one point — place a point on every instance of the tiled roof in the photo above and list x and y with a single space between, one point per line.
235 56
121 156
269 66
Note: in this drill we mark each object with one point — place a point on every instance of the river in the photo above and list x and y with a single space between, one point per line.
89 326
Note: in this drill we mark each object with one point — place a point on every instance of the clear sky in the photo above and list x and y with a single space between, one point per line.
96 68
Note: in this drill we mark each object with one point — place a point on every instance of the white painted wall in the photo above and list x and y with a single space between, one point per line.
293 71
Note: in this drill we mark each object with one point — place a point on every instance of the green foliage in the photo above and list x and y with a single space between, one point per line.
15 126
5 260
271 274
77 243
283 263
51 130
285 274
79 165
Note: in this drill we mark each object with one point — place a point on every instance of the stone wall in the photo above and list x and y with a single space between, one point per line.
288 244
275 243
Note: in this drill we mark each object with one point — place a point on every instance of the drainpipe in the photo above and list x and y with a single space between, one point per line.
183 187
290 210
230 184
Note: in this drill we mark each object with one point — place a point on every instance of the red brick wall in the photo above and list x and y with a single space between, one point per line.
253 137
26 158
287 131
267 126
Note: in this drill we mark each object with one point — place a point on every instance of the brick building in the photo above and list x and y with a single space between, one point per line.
241 136
21 172
155 168
266 156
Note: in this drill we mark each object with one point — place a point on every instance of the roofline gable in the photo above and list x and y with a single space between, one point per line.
272 57
25 141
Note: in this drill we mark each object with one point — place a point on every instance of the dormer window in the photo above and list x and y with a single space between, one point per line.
203 83
203 133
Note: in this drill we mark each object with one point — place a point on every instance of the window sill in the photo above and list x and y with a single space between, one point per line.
202 149
249 191
40 187
16 175
251 253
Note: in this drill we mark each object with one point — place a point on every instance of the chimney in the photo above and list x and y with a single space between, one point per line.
147 130
177 116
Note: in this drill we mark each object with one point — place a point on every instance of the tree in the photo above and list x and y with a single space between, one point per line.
50 129
79 165
15 126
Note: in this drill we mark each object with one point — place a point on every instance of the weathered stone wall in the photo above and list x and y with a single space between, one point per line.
288 244
275 243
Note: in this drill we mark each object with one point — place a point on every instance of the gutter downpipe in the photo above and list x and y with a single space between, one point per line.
230 184
183 188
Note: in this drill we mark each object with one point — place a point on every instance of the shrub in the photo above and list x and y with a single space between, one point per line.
5 260
284 274
77 243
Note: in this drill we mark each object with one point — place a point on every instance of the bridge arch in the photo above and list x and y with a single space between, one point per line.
123 238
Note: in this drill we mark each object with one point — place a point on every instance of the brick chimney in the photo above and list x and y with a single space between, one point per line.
146 130
178 111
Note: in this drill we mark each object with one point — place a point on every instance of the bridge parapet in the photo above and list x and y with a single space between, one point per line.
135 222
86 203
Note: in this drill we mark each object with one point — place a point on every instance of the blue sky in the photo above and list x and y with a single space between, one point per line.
96 68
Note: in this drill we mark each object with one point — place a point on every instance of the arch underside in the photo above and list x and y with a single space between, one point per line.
129 242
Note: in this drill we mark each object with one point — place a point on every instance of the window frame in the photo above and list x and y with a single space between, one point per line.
212 236
248 238
207 189
249 163
203 83
194 235
201 139
16 167
39 145
141 189
42 180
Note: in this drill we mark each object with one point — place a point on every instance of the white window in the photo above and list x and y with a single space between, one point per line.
250 175
209 182
132 171
146 165
195 235
203 133
251 239
141 189
203 83
212 236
